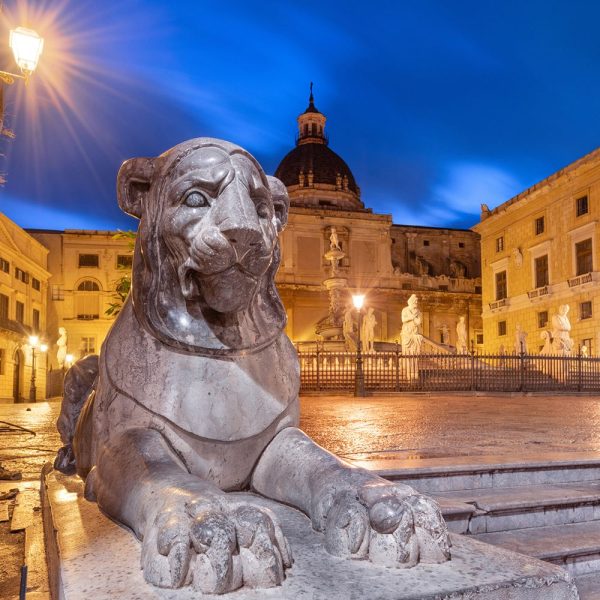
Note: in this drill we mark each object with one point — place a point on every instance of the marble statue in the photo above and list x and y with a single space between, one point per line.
562 343
518 257
334 242
547 339
444 334
457 269
348 330
520 340
461 336
196 394
367 334
61 342
411 322
585 352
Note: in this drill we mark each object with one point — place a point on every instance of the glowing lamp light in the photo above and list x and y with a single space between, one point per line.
44 348
358 300
27 47
69 359
34 341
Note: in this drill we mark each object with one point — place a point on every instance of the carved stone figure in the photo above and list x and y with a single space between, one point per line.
411 322
422 266
457 269
444 334
562 343
520 340
197 394
367 334
61 342
334 242
547 338
348 329
518 257
461 336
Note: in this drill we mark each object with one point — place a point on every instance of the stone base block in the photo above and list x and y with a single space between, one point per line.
91 556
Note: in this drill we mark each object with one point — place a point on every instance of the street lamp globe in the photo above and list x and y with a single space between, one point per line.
27 47
34 341
358 300
69 359
44 348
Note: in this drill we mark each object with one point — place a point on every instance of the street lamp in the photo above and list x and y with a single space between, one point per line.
359 378
34 342
27 48
69 360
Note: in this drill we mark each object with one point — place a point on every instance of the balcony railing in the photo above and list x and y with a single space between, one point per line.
580 280
499 303
538 292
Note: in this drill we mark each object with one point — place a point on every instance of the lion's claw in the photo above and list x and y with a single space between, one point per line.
215 550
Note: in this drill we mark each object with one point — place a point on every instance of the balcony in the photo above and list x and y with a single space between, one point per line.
499 304
538 292
580 280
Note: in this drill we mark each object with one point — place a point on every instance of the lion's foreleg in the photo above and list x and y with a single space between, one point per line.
361 514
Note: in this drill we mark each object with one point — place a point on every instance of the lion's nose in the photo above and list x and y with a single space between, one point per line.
242 237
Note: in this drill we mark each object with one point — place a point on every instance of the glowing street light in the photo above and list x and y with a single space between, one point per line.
27 48
359 378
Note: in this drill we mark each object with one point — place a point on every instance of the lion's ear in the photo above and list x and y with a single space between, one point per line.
281 201
133 184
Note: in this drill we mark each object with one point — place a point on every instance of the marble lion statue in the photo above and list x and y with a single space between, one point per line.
195 394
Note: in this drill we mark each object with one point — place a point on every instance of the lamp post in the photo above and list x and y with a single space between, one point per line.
27 48
359 377
34 342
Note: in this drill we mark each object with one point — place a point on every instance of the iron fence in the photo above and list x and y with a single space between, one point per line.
390 371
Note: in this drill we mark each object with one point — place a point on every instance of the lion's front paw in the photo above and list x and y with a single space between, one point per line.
216 550
384 524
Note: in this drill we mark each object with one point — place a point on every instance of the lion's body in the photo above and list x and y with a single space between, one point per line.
218 414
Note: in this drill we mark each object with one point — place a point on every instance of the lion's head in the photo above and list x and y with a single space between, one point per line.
207 248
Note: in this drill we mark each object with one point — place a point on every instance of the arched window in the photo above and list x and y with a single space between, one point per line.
87 300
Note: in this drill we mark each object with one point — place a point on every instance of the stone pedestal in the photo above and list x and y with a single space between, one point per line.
331 328
91 556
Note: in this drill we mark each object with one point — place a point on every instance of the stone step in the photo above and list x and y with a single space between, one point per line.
450 473
575 547
588 586
504 509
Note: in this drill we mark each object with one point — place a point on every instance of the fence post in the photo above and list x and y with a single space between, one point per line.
472 368
397 367
318 371
522 369
579 378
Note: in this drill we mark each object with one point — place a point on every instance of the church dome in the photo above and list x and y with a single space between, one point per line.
313 173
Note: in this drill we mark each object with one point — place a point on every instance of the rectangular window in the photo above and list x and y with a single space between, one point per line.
88 345
35 321
425 242
21 275
89 260
461 244
35 284
539 225
587 343
479 339
124 261
542 318
20 312
500 244
407 286
3 307
2 361
58 292
501 289
583 257
4 265
541 271
582 205
585 310
501 327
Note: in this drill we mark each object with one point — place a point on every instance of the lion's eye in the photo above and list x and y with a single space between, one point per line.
262 210
195 200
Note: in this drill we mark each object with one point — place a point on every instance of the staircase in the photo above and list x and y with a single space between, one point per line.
547 507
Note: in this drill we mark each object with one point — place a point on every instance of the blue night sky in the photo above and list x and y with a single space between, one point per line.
436 106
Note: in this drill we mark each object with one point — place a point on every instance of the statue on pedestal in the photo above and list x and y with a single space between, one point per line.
461 336
195 394
411 322
348 328
334 242
562 343
61 342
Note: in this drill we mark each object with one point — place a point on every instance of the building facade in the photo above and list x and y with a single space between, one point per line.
23 292
386 261
540 250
